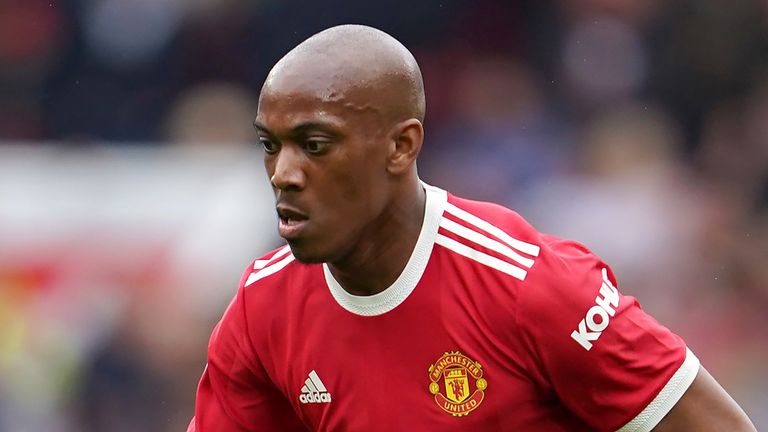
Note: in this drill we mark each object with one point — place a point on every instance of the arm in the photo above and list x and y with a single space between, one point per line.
704 407
226 406
634 374
235 393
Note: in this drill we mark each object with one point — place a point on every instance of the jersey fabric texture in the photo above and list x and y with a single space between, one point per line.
491 326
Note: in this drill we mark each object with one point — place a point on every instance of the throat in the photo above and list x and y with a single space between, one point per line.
376 269
380 258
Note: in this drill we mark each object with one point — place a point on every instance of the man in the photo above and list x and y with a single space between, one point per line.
397 306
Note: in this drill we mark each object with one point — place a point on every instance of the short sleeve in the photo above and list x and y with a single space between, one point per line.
235 393
609 362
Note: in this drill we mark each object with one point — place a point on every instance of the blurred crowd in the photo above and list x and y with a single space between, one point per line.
132 194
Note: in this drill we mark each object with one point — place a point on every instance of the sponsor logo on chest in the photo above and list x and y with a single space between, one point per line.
598 316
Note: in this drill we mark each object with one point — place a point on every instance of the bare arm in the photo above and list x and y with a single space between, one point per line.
705 407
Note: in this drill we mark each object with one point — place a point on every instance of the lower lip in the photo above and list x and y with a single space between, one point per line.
290 229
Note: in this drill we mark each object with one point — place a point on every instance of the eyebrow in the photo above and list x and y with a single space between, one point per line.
301 128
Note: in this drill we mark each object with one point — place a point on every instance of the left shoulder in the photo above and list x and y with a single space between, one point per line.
493 240
556 277
569 268
495 219
549 262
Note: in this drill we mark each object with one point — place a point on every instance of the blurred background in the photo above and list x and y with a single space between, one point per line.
132 194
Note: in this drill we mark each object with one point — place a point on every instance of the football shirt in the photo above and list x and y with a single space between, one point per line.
490 326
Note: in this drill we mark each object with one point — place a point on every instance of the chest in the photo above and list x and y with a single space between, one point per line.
430 364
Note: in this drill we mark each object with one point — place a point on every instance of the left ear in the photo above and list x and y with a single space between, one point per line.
407 138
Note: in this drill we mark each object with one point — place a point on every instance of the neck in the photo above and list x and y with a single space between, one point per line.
384 249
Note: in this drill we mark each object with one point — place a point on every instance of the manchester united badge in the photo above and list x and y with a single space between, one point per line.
457 383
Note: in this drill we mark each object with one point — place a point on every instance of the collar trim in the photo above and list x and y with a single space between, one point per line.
396 293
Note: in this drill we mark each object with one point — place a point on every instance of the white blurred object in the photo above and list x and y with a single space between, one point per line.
206 211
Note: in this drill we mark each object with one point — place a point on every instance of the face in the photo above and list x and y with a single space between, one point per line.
326 160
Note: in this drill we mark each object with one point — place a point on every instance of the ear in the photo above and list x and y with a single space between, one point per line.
407 138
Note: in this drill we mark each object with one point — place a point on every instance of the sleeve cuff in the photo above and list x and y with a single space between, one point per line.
667 397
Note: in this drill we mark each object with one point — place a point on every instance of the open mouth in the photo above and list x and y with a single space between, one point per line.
291 222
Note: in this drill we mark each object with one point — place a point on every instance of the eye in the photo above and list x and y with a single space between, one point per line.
269 146
316 146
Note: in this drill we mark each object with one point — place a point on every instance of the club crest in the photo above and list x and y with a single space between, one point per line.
457 383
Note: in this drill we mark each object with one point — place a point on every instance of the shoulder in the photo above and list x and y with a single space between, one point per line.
551 272
492 236
496 220
569 281
269 289
232 337
272 280
272 262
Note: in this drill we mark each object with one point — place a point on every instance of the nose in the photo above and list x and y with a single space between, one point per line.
288 173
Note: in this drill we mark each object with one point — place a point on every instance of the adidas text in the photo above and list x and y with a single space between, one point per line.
315 398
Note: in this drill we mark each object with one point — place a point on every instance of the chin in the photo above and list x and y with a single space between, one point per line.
305 253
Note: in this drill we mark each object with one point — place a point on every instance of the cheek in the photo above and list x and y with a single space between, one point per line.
350 185
358 179
362 187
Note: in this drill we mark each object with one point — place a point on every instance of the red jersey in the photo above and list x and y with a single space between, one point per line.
491 326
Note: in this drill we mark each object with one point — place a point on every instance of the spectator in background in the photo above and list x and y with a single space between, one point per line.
212 113
630 181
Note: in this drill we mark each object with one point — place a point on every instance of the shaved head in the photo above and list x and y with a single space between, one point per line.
365 69
340 120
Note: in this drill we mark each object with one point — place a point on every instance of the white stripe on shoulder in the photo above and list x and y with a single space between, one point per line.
270 267
485 241
520 245
667 397
260 264
481 257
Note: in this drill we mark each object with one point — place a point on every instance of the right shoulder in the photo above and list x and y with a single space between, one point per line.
275 281
271 263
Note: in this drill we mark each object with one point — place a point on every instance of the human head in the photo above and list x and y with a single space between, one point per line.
340 117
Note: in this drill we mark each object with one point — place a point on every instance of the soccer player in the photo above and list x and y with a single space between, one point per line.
397 306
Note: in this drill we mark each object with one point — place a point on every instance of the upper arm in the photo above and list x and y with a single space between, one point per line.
609 362
235 393
225 407
705 407
595 350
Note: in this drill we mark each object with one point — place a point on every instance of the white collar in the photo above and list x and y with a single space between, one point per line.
396 293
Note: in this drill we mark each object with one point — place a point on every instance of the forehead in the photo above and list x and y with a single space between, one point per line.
277 111
296 92
286 110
